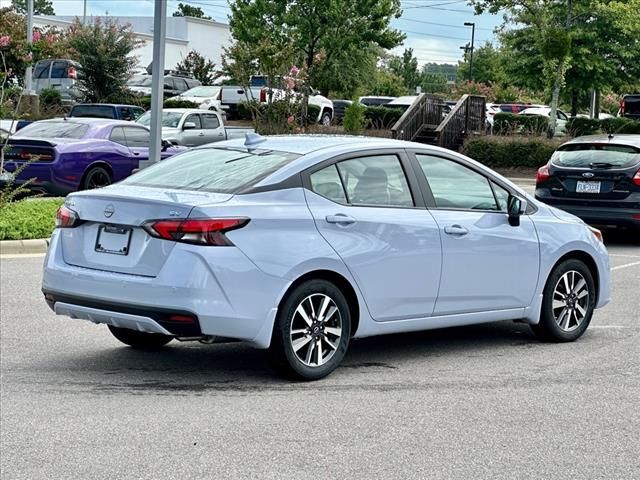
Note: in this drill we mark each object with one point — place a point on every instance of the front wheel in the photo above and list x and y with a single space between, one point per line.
140 340
568 303
311 332
325 120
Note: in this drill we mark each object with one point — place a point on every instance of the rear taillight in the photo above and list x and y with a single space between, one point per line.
67 218
199 231
72 73
543 174
622 107
263 95
636 178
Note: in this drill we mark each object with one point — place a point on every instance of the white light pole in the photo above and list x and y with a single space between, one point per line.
84 13
27 75
157 79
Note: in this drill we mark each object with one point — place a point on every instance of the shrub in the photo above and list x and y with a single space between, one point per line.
382 117
620 125
496 152
505 123
576 127
50 99
178 103
28 219
354 118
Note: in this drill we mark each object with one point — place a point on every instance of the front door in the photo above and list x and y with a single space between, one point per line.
365 210
193 137
486 263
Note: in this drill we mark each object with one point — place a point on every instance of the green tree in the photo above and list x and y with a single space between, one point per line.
40 7
200 67
433 83
488 65
387 84
406 67
104 49
323 33
186 10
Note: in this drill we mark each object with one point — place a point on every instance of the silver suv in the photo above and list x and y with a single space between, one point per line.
60 74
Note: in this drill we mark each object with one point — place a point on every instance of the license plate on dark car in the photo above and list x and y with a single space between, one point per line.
113 239
588 187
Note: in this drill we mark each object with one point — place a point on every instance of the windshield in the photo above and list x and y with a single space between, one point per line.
587 154
61 129
140 81
212 170
201 92
169 119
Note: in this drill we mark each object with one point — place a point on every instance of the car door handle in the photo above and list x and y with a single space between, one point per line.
340 218
201 134
455 230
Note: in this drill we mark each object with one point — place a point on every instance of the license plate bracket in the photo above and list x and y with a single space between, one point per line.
113 239
588 187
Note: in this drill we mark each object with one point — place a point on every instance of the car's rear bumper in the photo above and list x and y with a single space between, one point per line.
46 188
620 214
218 286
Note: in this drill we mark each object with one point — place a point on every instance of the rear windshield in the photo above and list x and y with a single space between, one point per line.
60 129
94 111
212 170
587 155
632 105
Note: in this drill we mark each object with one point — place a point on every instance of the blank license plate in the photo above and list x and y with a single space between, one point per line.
588 187
115 240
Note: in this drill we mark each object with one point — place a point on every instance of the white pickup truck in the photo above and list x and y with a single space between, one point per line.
192 127
232 96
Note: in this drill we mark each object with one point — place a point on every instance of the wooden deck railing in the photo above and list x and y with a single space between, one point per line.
466 117
425 110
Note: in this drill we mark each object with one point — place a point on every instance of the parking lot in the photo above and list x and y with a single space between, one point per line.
472 402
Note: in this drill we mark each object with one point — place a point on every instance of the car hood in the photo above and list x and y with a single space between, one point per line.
145 90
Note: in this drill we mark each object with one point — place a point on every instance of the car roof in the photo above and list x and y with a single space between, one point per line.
105 105
97 122
187 110
632 140
537 110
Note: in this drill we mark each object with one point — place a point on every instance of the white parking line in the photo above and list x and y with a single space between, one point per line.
627 265
23 255
622 255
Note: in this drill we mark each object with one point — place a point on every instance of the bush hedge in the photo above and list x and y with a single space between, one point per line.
382 117
620 125
179 103
500 152
29 218
510 123
577 127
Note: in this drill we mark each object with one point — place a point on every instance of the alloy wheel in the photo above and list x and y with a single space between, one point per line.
570 301
98 179
316 330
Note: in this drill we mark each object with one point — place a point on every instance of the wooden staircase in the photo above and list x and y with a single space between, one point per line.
425 122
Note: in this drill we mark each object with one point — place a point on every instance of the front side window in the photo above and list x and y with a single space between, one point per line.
326 182
376 180
195 119
455 186
212 170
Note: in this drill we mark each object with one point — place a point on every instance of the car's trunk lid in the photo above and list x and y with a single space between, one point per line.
111 237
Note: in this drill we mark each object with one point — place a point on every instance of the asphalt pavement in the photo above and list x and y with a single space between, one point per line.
486 401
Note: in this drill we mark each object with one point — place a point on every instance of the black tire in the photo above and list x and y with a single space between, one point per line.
282 354
140 340
552 318
96 177
325 119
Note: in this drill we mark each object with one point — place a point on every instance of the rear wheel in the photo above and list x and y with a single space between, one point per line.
140 340
568 302
96 177
311 332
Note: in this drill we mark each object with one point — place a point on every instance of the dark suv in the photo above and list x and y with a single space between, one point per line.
630 106
174 84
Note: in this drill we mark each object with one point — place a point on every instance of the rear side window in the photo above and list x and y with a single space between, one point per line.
326 182
378 180
136 137
117 136
212 170
589 155
60 129
42 70
455 186
210 121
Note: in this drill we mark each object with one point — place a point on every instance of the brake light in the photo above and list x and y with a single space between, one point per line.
543 174
636 178
199 231
622 107
66 218
263 95
35 156
72 73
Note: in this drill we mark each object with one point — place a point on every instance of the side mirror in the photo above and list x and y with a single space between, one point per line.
165 145
188 126
516 207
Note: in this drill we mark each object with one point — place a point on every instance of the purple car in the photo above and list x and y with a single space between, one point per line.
78 153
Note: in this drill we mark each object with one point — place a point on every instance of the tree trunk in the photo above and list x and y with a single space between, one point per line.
574 102
554 101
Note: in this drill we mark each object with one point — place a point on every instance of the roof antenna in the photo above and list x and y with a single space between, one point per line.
253 139
610 136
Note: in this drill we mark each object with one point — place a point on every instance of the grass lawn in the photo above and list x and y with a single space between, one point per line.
30 218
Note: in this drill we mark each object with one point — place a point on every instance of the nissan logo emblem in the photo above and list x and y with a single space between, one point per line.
109 210
588 175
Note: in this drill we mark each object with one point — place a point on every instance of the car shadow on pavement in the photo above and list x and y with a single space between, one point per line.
192 368
621 237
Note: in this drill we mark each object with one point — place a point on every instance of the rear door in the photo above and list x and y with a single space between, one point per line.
487 264
365 209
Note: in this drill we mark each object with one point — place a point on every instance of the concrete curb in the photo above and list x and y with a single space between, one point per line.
20 247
